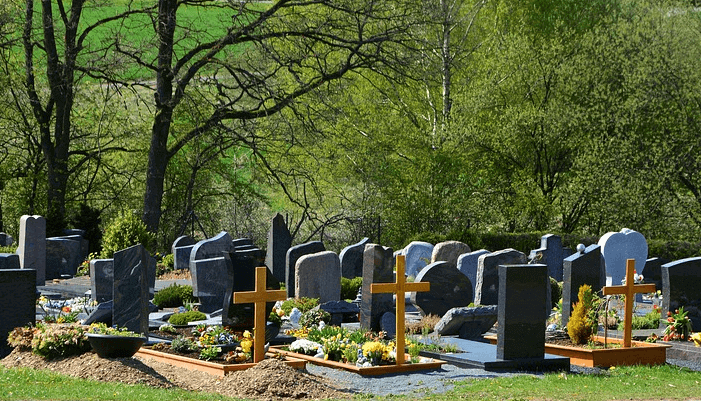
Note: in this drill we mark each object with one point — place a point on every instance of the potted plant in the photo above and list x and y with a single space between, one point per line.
112 342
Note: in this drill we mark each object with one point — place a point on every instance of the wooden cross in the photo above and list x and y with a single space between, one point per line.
400 287
259 297
629 290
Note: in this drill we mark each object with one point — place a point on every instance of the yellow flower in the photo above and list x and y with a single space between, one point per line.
247 334
697 339
246 345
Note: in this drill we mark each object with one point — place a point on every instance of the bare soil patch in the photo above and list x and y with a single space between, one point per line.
270 379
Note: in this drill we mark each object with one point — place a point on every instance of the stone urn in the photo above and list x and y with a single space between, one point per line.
112 346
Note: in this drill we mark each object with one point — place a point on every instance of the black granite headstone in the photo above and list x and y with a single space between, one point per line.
207 265
377 268
241 276
17 302
130 291
681 286
63 256
293 254
242 242
279 242
580 268
181 248
101 279
9 261
352 259
487 286
521 313
551 254
449 289
652 272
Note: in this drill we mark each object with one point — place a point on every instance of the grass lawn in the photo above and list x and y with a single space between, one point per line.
632 383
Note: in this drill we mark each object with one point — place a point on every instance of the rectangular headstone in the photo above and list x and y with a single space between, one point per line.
279 242
9 261
467 265
487 286
209 283
377 268
32 245
293 254
181 248
63 256
318 275
17 302
242 276
101 279
352 259
681 286
521 312
208 249
580 268
130 290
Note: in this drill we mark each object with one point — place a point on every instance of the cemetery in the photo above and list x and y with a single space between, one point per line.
229 315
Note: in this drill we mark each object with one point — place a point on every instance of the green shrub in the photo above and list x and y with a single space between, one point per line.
181 319
349 287
174 295
303 304
650 321
8 249
555 291
313 317
169 261
183 345
124 231
53 341
580 327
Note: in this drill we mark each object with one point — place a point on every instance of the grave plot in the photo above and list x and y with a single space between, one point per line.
364 352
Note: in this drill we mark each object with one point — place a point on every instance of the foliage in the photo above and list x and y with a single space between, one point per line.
303 304
349 287
209 352
122 232
678 325
555 291
174 295
181 319
8 249
313 317
88 218
21 338
169 261
84 268
205 335
57 340
580 326
183 344
651 320
423 326
101 328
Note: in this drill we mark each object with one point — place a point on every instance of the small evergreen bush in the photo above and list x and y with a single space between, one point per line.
303 304
555 291
580 327
349 287
181 319
174 295
124 231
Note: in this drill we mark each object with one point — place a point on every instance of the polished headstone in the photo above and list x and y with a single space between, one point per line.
418 255
291 257
63 256
550 253
101 279
449 251
467 322
279 242
9 261
32 245
210 284
652 272
339 310
242 242
130 290
487 286
241 276
449 289
84 244
522 311
318 275
681 286
181 249
618 247
207 249
17 302
352 259
579 269
467 265
377 268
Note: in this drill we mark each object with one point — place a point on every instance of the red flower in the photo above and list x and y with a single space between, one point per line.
66 309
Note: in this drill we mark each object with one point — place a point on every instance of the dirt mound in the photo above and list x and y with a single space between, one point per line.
270 379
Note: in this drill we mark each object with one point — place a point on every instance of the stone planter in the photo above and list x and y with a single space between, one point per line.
111 346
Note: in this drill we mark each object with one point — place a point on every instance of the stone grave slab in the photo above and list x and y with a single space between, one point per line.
101 279
318 275
352 259
449 251
279 242
207 249
17 302
181 249
652 272
418 255
211 282
584 267
617 247
291 257
467 322
241 271
681 286
467 265
449 289
377 268
32 245
487 286
130 291
9 261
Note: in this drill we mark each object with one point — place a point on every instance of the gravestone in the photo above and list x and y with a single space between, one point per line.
293 254
581 268
652 272
32 245
17 303
5 239
487 286
550 253
449 289
377 268
240 277
352 259
101 279
181 249
151 276
211 283
63 256
84 244
618 247
207 262
341 311
279 242
318 275
467 322
130 306
449 251
418 255
242 242
521 312
681 286
467 265
9 261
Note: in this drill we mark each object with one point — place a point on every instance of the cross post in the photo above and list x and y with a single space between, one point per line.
629 290
259 297
400 287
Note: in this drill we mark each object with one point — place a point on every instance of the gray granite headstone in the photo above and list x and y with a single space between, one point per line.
241 276
340 309
522 310
467 322
580 268
618 247
418 255
681 286
279 242
101 279
181 248
388 324
467 265
377 268
9 261
206 250
352 259
551 254
318 275
449 289
63 256
487 286
32 245
652 272
130 290
449 251
17 302
291 257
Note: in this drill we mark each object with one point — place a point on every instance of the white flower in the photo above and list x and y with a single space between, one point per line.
304 346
